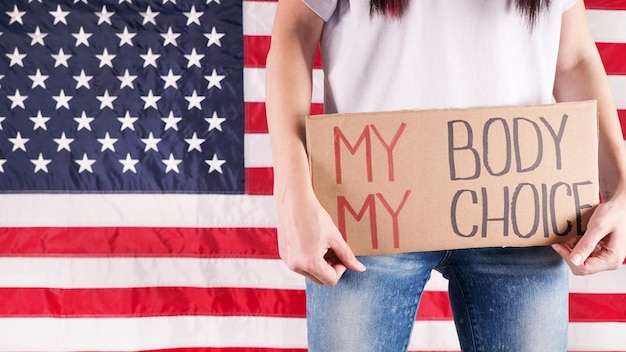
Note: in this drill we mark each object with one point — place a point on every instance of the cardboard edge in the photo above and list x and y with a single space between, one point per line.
480 108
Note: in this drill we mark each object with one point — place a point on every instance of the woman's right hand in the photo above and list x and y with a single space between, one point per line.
308 240
310 243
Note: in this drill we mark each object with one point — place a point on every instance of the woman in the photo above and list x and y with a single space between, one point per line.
427 54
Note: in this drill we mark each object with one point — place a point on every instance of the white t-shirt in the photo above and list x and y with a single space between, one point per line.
441 54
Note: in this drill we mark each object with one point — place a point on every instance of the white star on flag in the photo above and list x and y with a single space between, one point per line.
85 164
126 37
215 164
150 100
104 15
215 122
170 37
16 58
17 99
59 15
214 80
194 143
127 121
149 59
194 58
82 80
63 143
61 58
37 37
129 163
39 121
149 16
194 101
107 143
171 122
106 58
83 122
151 143
38 79
193 16
127 80
19 142
214 38
106 100
82 37
41 164
170 80
171 164
62 100
16 15
2 161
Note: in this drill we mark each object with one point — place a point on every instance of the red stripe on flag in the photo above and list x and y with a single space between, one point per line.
256 117
584 307
605 4
256 49
435 305
131 241
259 180
174 301
150 301
613 55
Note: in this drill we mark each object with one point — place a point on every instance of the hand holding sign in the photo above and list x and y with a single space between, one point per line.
310 243
603 247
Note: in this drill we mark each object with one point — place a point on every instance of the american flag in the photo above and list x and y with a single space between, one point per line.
136 210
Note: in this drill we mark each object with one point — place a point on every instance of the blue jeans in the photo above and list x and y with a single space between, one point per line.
503 299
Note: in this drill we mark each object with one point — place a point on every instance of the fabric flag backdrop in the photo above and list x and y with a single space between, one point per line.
136 209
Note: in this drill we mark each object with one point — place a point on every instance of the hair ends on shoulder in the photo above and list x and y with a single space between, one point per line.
396 8
393 8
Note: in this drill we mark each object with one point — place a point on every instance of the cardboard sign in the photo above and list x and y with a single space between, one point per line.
457 178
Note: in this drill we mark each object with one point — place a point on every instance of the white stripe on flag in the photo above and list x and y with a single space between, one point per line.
131 210
258 152
64 272
607 26
596 336
603 282
131 334
254 85
258 17
434 336
610 282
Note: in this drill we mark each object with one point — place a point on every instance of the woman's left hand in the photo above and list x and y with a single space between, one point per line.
603 247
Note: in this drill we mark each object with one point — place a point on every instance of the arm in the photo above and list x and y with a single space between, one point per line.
308 240
580 76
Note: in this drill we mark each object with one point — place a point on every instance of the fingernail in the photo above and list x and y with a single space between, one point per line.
361 267
577 259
